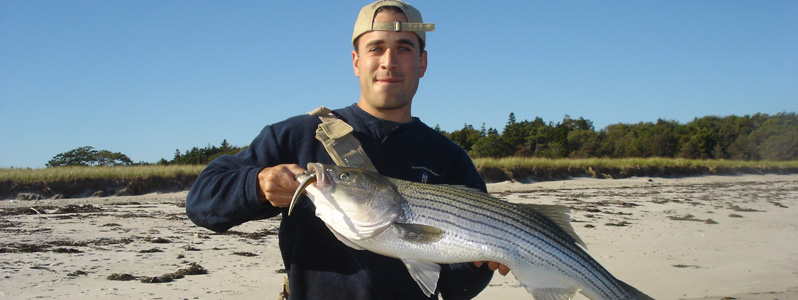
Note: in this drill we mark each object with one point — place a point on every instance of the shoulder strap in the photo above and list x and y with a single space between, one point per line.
336 136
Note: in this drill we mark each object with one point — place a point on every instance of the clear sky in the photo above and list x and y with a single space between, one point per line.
145 78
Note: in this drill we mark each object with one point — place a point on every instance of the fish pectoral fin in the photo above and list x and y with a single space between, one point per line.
553 293
417 233
426 274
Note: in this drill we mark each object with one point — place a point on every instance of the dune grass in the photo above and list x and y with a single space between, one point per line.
519 162
171 171
120 172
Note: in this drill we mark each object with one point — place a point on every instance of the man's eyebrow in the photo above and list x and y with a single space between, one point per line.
407 42
374 42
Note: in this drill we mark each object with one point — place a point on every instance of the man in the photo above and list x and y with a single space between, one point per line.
258 183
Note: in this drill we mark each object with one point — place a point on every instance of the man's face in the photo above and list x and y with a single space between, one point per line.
389 65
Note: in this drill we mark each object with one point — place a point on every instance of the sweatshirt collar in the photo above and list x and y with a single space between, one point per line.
373 124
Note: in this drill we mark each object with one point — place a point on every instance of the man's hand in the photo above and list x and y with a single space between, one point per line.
493 266
277 184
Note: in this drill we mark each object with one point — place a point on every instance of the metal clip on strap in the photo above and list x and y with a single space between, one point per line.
398 26
337 139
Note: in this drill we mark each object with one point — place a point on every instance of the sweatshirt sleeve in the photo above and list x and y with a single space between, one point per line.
225 193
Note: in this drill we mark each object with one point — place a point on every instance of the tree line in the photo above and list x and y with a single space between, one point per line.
88 156
750 137
201 156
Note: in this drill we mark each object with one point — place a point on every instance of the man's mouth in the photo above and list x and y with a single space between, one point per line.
388 80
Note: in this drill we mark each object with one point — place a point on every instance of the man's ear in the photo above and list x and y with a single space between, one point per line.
422 67
356 63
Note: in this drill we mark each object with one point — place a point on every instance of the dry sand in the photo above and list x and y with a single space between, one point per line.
705 237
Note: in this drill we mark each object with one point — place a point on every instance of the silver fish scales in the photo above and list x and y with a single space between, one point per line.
425 225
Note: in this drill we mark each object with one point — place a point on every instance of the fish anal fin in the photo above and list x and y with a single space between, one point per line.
417 233
426 274
558 214
553 293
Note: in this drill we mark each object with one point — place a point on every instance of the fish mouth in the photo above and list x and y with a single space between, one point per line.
315 174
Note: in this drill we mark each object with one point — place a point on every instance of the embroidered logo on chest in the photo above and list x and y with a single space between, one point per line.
425 173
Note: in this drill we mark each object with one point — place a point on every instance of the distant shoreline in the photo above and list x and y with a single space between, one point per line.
525 174
123 185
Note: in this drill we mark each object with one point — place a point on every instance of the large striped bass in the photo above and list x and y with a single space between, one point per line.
425 225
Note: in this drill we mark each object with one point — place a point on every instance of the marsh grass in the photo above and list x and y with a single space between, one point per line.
624 163
515 168
108 173
70 182
172 171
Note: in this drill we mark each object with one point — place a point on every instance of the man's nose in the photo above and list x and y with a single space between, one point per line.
388 60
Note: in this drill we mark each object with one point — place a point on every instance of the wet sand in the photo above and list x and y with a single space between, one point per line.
705 237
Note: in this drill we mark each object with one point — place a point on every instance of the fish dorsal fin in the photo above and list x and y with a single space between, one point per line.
426 274
403 184
464 188
559 214
417 233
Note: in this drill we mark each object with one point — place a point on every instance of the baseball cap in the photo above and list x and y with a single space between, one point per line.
365 20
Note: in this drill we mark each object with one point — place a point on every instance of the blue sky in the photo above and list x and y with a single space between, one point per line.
145 78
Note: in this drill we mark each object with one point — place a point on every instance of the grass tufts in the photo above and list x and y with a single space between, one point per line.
115 173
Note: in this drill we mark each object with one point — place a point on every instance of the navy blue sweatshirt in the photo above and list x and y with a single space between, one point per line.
318 265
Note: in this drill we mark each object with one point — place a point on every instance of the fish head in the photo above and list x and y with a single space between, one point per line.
355 203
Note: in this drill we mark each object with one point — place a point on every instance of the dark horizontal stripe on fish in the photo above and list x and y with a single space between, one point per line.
507 241
506 210
588 264
506 214
496 206
496 211
525 247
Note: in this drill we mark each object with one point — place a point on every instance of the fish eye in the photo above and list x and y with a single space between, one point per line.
343 176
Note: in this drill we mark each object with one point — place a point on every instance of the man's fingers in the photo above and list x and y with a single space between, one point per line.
494 266
295 169
503 269
277 184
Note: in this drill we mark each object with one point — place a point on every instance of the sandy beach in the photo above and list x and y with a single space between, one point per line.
705 237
